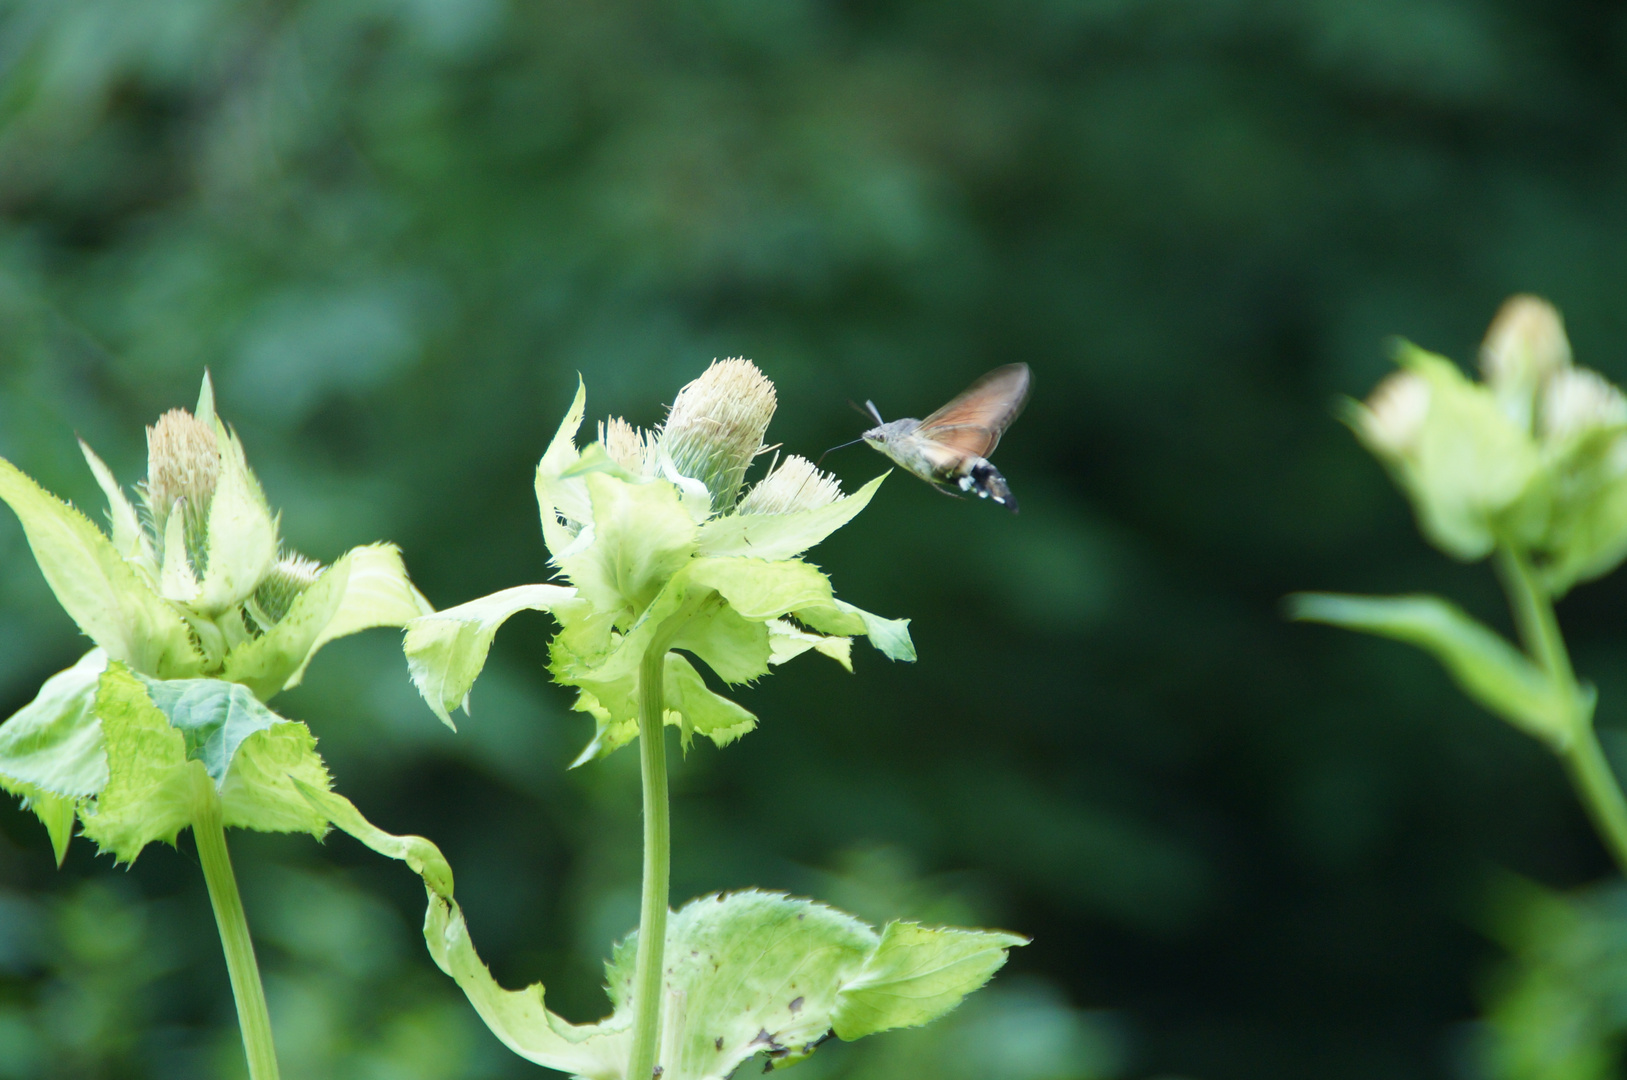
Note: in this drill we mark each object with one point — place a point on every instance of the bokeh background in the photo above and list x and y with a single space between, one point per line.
396 230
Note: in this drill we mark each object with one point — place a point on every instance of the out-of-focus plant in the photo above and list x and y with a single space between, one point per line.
663 552
1528 467
198 616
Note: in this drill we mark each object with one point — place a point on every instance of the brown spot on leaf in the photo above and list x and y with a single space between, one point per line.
796 1005
719 1042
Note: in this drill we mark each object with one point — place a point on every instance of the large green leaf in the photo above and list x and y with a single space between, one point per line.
51 749
1488 668
689 704
264 789
446 649
746 973
641 536
213 716
97 588
782 536
368 587
150 788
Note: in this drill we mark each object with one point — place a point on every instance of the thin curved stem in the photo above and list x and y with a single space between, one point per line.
652 922
252 1018
1596 784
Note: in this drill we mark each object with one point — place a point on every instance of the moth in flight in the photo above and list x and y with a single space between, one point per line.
952 446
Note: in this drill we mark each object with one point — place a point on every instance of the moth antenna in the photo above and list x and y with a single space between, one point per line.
875 412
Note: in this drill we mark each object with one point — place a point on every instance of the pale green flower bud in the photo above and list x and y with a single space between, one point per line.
795 485
1576 400
183 467
716 426
287 580
1524 346
627 446
1393 417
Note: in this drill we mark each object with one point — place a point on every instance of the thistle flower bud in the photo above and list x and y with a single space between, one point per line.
289 577
795 485
1524 346
183 465
1393 417
716 426
627 445
1575 400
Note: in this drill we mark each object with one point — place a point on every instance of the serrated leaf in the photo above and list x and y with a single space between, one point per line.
641 536
149 794
689 705
93 583
556 495
377 593
129 538
1487 668
213 716
891 637
782 536
447 649
242 534
916 975
787 642
55 742
264 790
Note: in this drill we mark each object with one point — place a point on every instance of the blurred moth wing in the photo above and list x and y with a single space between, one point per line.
952 446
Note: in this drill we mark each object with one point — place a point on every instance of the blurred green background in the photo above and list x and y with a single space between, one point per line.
395 230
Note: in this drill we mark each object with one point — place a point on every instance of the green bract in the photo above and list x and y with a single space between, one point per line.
747 973
662 552
198 616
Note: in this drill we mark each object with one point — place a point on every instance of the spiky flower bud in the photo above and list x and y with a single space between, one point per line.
1576 400
716 426
795 485
288 578
1524 347
183 466
1394 414
627 446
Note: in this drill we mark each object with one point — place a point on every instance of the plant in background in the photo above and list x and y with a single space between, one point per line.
665 557
198 616
1528 467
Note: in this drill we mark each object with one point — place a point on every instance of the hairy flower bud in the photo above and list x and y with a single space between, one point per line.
1575 400
716 426
627 446
288 578
1394 415
795 485
1524 346
183 465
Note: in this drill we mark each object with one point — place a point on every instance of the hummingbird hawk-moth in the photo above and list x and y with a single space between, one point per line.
952 446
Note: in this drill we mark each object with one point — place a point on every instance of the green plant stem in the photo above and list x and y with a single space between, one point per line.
652 922
252 1018
1596 785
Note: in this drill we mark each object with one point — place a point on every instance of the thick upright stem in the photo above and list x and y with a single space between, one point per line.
1596 785
652 923
252 1017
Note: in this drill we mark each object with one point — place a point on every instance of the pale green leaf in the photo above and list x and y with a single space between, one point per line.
421 855
55 742
129 538
641 536
446 650
519 1018
787 642
890 636
736 648
270 772
213 716
688 705
377 593
558 496
176 581
150 791
782 536
242 533
760 589
1489 669
916 975
97 588
269 663
205 412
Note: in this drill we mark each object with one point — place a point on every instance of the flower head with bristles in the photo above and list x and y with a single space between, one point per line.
716 426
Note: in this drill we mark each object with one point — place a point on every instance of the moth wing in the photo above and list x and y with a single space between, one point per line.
973 421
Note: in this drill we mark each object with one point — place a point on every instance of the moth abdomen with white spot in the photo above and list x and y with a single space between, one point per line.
951 446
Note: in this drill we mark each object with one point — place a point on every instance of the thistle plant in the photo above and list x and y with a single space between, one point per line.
1527 467
198 616
667 564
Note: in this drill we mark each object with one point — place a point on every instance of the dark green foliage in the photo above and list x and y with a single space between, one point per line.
397 229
